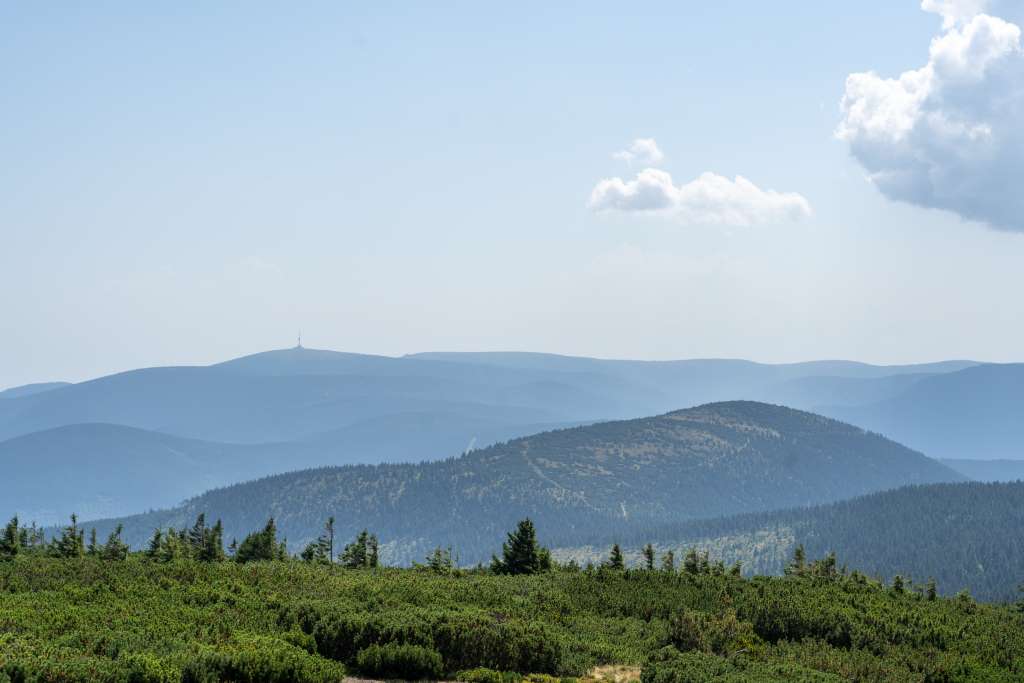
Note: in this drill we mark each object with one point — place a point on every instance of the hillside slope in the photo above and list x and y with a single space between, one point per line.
708 461
965 535
103 470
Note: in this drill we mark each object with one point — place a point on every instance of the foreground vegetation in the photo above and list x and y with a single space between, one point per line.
139 619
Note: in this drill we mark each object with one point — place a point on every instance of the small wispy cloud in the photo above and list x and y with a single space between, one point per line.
642 151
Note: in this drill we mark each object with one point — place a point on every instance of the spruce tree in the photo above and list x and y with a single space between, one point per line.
520 553
71 542
615 559
115 548
197 536
11 541
155 544
649 557
668 562
799 563
691 563
931 591
260 546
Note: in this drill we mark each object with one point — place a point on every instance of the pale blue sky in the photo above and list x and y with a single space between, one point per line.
186 184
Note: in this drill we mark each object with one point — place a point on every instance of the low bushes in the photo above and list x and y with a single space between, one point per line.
408 662
671 666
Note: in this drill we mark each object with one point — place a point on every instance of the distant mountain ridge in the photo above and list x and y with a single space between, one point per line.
709 461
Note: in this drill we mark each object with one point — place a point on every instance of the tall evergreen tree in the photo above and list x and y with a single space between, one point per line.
115 548
71 542
11 541
260 546
648 553
799 563
156 542
931 591
520 554
615 559
691 563
668 562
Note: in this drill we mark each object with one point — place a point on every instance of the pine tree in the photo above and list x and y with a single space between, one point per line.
212 549
11 541
328 539
156 542
799 563
691 563
197 536
649 557
115 548
736 569
668 562
94 549
373 555
897 584
520 553
615 559
931 591
356 554
260 546
71 542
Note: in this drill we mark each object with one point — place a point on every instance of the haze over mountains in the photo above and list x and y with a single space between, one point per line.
149 438
717 459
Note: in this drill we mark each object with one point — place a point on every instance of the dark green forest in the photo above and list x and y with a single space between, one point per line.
718 459
187 609
965 536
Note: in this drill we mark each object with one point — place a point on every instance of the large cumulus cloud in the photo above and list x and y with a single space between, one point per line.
950 134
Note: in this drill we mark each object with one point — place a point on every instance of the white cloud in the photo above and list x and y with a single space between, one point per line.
954 11
948 135
710 199
643 151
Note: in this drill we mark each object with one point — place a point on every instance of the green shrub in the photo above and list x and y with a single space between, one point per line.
722 634
671 666
259 659
485 675
408 662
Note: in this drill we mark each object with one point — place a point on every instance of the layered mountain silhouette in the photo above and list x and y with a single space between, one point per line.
713 460
299 407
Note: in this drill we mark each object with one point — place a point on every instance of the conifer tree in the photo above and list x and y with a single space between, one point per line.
356 554
668 562
691 563
897 584
373 554
155 544
328 539
115 548
649 557
197 536
71 542
799 563
520 553
736 569
931 591
11 541
615 559
94 548
260 546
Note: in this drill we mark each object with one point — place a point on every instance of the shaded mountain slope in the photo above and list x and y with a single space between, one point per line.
965 535
708 461
101 470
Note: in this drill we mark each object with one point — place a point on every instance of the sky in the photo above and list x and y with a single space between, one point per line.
781 181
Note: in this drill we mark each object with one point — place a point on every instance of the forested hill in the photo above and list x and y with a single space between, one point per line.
717 459
965 535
